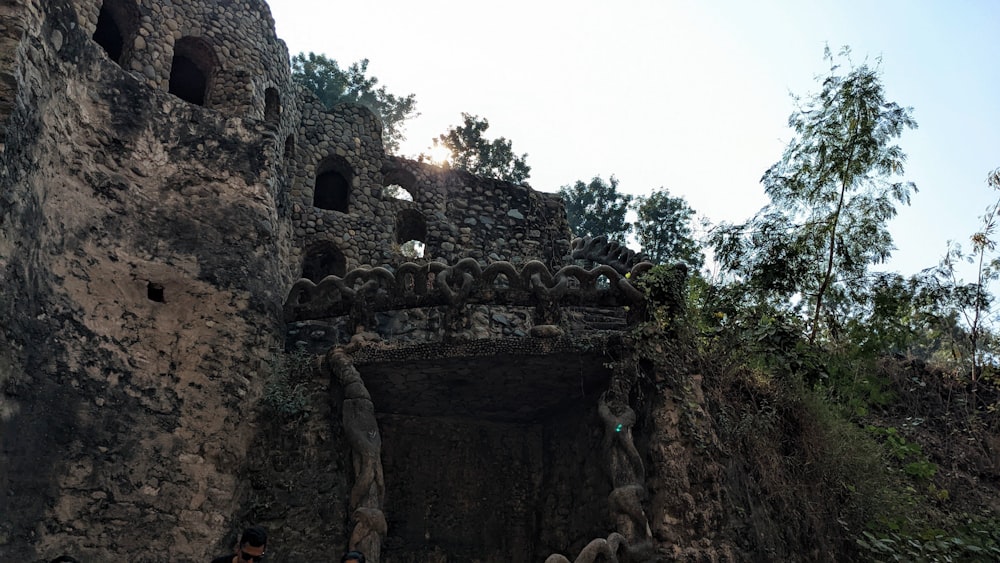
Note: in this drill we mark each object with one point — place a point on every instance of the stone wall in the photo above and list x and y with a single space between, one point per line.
455 214
147 241
242 54
143 262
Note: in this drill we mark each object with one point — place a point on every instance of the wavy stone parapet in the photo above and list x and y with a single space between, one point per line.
362 292
601 250
605 549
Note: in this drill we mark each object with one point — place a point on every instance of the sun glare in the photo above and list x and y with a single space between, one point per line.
439 154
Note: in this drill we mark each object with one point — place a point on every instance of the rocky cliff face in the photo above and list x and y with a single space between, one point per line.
142 259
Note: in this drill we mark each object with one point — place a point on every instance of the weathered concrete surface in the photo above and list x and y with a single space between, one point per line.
141 262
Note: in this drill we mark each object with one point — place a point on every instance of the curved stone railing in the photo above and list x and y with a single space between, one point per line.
607 549
362 292
601 250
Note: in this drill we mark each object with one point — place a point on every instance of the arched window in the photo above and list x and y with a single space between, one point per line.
192 70
272 106
411 233
333 185
117 26
321 260
399 184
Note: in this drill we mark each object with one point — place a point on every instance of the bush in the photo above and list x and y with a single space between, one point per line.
285 393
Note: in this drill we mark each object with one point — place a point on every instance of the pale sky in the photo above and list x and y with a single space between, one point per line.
692 96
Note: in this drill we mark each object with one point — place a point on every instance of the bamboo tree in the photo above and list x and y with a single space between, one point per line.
831 193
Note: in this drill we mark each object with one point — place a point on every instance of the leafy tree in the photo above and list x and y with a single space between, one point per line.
333 85
973 301
472 152
664 229
831 194
597 208
900 315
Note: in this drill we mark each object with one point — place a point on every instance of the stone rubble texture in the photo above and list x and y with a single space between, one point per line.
147 246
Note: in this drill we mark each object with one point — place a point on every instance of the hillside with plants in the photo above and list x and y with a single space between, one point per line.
857 410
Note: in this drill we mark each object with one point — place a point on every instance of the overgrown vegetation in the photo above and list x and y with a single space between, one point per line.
285 391
860 407
826 442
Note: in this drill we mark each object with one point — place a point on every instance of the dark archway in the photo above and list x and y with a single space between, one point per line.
399 184
321 260
410 225
333 185
411 233
289 154
117 26
272 106
192 70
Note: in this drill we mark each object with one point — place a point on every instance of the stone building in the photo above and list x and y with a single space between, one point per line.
164 185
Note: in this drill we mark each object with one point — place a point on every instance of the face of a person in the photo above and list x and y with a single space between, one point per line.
250 553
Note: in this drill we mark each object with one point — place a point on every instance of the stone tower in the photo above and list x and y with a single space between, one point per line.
163 184
175 211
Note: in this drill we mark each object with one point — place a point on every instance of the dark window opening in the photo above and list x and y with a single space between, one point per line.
191 70
272 106
154 292
289 147
333 186
322 261
399 184
109 36
411 233
187 81
117 27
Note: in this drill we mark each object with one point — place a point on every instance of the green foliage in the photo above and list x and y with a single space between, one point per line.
973 301
664 287
597 208
831 195
334 85
893 314
977 541
664 229
762 336
916 463
285 391
472 152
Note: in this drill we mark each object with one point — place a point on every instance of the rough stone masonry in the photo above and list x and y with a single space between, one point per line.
163 184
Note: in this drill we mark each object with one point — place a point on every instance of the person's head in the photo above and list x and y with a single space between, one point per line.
353 556
253 544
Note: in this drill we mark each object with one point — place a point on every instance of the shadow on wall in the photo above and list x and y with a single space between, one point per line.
192 70
117 27
321 260
333 185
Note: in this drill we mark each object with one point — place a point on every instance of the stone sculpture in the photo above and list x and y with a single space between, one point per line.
602 251
362 433
625 469
606 548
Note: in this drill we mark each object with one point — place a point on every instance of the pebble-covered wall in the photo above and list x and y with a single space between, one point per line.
231 46
234 40
163 183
